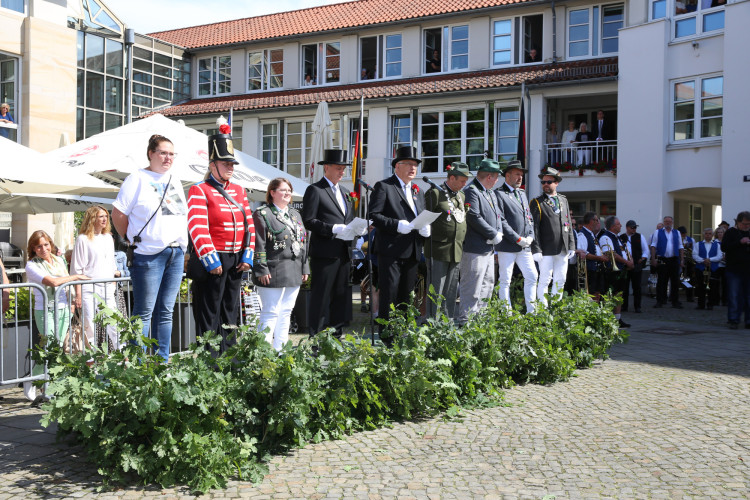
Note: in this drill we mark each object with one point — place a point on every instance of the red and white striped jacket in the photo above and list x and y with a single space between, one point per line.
215 225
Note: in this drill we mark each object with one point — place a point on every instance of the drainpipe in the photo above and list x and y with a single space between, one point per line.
554 33
129 42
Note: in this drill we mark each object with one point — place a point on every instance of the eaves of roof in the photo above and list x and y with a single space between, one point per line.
434 84
326 18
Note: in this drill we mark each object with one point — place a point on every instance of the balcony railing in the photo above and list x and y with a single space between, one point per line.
599 156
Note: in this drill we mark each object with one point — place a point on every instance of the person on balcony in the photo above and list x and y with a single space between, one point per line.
583 145
553 155
5 117
568 140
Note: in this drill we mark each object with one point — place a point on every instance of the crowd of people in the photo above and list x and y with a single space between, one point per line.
481 235
578 145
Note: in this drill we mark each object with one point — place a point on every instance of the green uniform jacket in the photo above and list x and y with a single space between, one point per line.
447 236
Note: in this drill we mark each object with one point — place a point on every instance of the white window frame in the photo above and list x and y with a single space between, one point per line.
278 124
215 79
266 76
321 76
493 36
595 24
305 130
699 16
381 69
441 131
447 54
697 101
509 105
14 101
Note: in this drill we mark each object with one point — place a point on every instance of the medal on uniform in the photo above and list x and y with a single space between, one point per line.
460 216
296 247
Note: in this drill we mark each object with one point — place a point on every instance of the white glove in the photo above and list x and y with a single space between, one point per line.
362 232
425 232
570 254
537 257
526 242
405 227
497 239
337 228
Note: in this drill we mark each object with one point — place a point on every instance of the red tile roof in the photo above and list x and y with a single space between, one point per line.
547 73
319 19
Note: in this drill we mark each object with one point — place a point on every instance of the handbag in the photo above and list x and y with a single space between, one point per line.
137 238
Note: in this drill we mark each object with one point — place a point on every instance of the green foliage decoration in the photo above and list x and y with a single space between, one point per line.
203 418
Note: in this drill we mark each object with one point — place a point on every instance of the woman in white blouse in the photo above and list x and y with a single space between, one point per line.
94 256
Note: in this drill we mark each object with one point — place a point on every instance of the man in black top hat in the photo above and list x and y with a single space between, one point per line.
396 201
326 211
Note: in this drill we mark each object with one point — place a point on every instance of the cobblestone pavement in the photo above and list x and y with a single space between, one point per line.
666 417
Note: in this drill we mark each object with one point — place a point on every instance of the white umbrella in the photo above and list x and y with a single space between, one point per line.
322 139
255 174
26 171
117 153
23 203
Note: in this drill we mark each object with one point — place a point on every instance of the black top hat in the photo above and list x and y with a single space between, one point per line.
405 153
220 148
334 157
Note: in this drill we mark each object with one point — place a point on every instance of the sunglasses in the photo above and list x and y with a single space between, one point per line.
548 182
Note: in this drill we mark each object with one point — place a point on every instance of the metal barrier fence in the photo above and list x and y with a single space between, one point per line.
19 331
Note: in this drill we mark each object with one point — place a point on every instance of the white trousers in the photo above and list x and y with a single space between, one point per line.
552 268
90 305
276 306
525 263
584 157
477 278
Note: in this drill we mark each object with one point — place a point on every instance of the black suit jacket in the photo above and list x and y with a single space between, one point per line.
606 130
320 211
388 206
553 231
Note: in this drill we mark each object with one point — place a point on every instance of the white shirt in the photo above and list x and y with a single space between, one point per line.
583 244
337 193
668 251
606 243
94 257
644 246
697 256
139 198
406 188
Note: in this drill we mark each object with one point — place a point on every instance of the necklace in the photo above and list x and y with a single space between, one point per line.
458 213
294 226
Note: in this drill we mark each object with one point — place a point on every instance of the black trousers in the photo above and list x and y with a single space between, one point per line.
699 282
397 280
330 295
634 278
668 271
216 299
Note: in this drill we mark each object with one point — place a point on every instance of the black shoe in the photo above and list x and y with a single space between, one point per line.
658 305
624 309
623 324
747 326
689 300
677 306
700 307
638 310
710 308
364 308
733 326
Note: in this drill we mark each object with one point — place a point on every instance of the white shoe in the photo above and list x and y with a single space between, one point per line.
29 390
